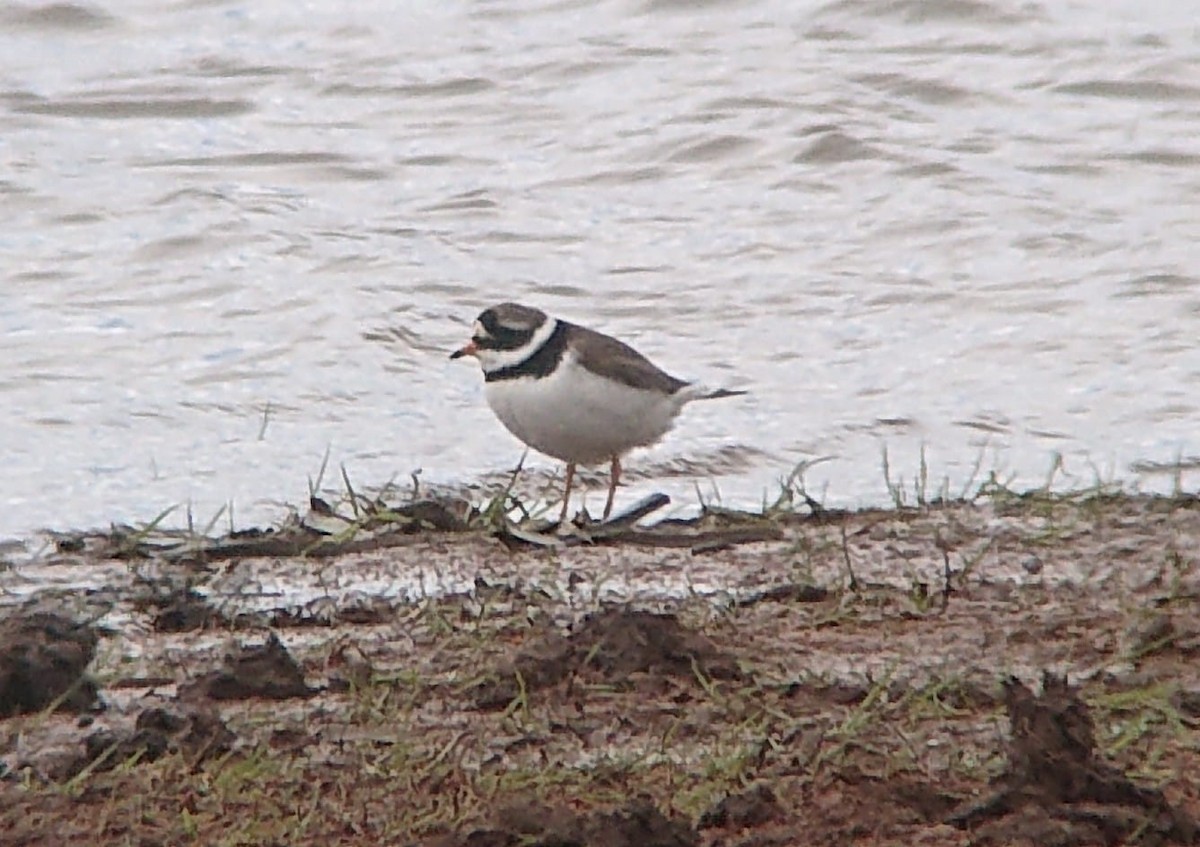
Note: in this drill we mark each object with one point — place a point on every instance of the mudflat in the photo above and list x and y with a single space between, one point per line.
1017 669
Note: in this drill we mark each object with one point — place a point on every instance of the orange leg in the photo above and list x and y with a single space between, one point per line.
614 480
562 518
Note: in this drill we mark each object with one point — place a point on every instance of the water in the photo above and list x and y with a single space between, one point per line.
239 235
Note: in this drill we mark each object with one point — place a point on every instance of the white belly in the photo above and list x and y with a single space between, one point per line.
576 416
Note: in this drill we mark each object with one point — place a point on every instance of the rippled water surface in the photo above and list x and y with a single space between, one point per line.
236 235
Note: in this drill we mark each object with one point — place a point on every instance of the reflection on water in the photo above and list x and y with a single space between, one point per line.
254 238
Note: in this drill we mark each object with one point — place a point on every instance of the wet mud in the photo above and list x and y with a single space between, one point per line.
1016 670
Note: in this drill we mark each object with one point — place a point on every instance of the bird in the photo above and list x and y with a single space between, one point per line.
573 393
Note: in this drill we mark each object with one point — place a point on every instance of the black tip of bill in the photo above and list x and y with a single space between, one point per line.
457 354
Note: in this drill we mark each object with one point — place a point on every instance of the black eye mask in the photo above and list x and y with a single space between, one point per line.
499 337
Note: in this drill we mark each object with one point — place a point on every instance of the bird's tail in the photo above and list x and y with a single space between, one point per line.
700 392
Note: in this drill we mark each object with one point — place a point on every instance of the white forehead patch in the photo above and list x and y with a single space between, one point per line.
477 330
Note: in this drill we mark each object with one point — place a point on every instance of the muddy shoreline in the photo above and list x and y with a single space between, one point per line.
787 678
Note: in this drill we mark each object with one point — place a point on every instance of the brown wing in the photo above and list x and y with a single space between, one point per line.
608 357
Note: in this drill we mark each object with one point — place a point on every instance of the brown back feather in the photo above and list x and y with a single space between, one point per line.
608 357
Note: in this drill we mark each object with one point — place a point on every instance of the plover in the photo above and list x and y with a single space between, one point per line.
572 393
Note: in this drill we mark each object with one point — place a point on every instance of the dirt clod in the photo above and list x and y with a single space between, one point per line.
348 667
1058 790
1187 701
197 734
739 811
42 661
792 592
266 671
185 611
638 824
613 644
